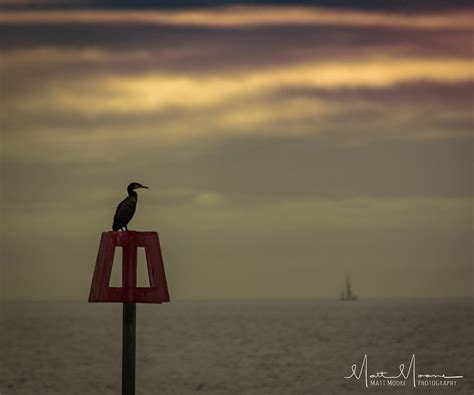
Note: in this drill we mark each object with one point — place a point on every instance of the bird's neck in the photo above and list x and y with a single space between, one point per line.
131 192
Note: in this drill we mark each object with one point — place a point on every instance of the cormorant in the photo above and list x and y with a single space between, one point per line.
126 208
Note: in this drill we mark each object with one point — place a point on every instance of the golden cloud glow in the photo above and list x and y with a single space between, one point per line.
182 106
250 16
154 92
215 105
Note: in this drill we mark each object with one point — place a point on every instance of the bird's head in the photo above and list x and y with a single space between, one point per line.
135 185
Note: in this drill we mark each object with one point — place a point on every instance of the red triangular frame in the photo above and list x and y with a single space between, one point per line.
129 292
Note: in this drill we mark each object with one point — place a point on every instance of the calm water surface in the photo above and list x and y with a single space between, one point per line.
234 347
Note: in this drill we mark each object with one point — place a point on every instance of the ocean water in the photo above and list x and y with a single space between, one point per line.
235 347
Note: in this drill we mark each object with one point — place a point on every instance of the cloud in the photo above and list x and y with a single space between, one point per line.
27 3
349 100
232 17
154 92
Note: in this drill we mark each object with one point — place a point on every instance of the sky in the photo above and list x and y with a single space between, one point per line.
284 144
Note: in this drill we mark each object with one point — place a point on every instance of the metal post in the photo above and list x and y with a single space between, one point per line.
128 348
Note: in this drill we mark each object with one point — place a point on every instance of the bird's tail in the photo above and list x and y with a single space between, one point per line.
115 227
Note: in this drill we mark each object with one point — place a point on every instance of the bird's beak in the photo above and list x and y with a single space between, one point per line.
143 186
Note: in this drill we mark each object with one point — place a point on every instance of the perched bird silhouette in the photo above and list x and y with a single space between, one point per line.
126 207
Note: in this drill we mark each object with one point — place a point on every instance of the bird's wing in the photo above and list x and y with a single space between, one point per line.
124 213
119 210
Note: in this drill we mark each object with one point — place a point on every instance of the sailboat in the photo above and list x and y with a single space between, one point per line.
346 293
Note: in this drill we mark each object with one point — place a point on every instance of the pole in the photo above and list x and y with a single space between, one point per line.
128 348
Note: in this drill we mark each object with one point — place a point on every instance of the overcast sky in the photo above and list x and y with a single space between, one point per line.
283 146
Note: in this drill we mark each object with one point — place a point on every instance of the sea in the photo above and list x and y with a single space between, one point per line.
241 347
